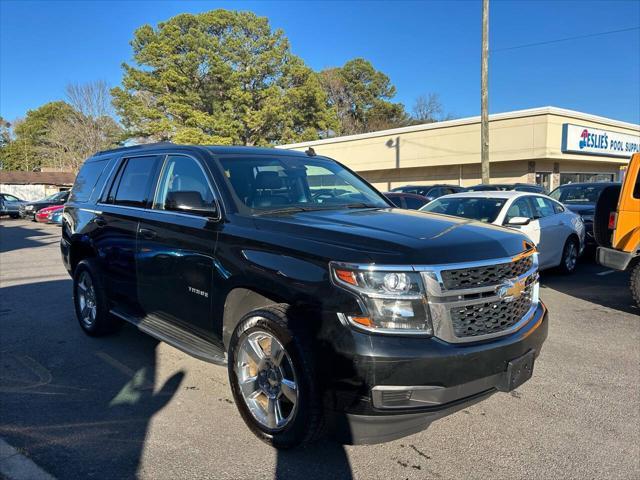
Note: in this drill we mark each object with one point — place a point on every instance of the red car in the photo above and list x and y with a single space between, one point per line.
44 215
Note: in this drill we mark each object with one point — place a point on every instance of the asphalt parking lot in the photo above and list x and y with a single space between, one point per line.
127 406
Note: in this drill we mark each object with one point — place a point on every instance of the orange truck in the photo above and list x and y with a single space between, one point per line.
617 226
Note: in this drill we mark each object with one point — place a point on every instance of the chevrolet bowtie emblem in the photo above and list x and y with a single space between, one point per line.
510 290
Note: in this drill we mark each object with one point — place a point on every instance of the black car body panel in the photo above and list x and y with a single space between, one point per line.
586 209
430 192
204 272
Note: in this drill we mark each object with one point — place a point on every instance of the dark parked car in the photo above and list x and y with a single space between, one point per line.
581 198
430 192
10 205
518 187
409 201
29 209
345 313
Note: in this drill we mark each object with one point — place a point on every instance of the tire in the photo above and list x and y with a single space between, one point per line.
569 259
634 283
14 215
302 418
90 300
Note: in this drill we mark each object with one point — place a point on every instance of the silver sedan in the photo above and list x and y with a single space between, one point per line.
557 232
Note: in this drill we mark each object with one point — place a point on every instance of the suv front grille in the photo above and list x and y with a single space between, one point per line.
476 277
481 300
489 317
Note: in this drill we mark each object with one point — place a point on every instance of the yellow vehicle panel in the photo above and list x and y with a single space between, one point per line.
626 236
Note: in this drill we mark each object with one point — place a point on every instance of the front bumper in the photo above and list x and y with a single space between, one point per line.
445 378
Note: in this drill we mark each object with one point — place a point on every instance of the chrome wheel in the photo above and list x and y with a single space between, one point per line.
570 256
267 380
86 299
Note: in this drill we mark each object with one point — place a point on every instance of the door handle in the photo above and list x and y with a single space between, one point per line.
100 221
147 233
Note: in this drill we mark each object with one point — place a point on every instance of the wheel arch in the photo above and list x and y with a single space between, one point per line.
78 251
240 301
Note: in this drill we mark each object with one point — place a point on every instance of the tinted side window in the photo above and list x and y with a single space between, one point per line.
397 201
542 207
414 203
132 186
183 183
636 190
86 180
434 192
527 189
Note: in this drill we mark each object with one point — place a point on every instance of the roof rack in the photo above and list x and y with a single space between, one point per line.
132 147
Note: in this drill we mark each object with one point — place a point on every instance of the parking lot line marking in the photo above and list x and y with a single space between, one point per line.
606 272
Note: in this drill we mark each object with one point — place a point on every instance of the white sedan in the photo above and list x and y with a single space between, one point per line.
557 232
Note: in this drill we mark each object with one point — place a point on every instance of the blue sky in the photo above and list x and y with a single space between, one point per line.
423 46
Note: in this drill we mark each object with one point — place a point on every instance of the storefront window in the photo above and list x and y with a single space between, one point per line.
543 179
585 177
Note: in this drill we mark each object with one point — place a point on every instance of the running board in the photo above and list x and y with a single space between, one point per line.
176 336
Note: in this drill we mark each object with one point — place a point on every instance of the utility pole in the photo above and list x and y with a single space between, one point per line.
484 95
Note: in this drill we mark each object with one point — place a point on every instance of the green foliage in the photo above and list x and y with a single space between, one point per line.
360 97
219 77
27 150
37 124
60 135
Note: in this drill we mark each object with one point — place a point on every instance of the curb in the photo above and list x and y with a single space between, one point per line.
16 466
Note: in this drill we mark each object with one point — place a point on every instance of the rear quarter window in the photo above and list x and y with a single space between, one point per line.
131 185
414 203
86 180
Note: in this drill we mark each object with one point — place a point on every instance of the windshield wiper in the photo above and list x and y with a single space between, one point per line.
315 208
283 210
359 205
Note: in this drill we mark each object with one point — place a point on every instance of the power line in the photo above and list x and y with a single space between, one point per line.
577 37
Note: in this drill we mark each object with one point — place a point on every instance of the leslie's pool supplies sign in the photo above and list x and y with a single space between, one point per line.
578 139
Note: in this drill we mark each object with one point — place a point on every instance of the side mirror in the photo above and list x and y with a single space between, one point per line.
518 221
190 202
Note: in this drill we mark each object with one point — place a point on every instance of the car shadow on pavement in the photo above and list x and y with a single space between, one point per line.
594 284
324 460
15 237
77 406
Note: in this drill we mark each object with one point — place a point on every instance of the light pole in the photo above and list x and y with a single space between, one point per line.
484 95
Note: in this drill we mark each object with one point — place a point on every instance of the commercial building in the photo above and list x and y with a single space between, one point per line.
34 185
549 146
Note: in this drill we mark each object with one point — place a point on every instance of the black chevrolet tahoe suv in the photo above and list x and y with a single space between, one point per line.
334 311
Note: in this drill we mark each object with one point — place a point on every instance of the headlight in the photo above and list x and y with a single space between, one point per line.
392 301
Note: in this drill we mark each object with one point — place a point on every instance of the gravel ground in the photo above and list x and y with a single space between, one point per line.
126 406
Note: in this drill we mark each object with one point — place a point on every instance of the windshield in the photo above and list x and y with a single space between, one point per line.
483 209
488 188
56 196
267 183
576 194
414 190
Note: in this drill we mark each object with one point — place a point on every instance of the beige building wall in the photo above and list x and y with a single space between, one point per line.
521 144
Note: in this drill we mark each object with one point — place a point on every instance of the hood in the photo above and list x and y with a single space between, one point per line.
41 202
393 236
582 208
53 208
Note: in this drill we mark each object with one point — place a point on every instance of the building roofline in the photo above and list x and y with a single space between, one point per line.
530 112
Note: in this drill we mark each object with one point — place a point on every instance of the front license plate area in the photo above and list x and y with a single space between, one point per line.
519 370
